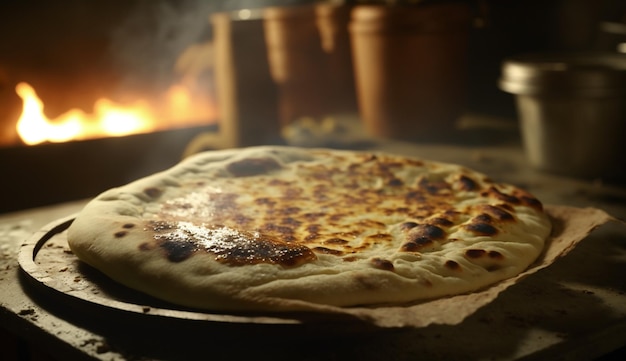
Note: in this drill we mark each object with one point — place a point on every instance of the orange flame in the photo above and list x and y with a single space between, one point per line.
109 119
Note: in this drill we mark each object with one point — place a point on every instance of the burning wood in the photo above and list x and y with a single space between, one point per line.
180 107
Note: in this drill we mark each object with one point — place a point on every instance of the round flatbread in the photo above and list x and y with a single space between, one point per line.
276 228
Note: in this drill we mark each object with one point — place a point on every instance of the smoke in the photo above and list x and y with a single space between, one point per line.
162 42
148 42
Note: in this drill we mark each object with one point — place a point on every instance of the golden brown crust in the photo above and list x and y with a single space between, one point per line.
262 226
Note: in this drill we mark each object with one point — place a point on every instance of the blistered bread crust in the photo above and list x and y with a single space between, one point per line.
275 228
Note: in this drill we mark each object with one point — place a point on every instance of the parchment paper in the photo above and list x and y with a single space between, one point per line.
570 226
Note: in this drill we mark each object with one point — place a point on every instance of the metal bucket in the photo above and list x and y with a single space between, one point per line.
572 112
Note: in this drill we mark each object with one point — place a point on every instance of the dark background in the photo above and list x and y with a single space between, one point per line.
76 51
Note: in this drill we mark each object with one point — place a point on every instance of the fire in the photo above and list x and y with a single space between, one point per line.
109 119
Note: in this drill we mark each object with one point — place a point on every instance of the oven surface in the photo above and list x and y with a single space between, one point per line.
573 308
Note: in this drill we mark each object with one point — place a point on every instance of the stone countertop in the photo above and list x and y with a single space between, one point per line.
575 309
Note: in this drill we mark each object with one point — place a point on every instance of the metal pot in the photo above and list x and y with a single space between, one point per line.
572 111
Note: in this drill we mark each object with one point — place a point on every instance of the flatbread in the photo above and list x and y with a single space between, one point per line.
276 228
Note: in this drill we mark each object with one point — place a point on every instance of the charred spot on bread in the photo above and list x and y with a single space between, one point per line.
410 247
440 221
178 250
482 218
478 253
532 202
421 237
252 166
433 187
481 229
180 240
453 265
467 183
408 225
475 253
381 263
490 260
499 213
395 182
326 250
426 231
379 236
153 192
496 193
335 240
414 197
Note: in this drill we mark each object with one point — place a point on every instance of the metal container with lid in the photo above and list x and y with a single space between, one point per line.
572 111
